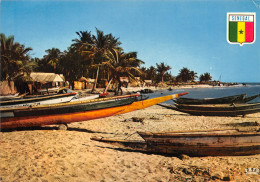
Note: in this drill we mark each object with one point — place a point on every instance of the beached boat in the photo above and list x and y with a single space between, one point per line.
248 99
38 100
48 90
194 143
88 97
73 111
9 96
12 97
146 91
95 96
216 110
223 100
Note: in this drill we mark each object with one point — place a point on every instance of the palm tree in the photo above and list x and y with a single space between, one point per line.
72 65
184 75
123 65
193 75
14 59
162 69
97 49
151 73
52 59
144 75
205 77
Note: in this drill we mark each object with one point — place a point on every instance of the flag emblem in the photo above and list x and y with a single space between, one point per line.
241 28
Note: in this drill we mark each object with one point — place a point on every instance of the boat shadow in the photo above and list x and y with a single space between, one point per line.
86 130
51 128
243 124
177 114
140 151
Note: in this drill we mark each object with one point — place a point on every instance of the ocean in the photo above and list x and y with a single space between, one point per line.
213 92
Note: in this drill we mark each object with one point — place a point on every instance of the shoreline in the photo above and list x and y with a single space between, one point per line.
154 88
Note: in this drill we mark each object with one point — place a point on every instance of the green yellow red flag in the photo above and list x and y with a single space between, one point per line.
241 28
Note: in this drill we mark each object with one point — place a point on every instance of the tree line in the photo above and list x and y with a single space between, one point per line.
98 56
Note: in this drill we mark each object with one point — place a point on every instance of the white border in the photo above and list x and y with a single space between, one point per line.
241 13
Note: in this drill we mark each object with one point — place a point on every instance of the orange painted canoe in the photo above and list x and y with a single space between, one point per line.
40 120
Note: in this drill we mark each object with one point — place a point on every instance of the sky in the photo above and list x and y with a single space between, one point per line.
180 33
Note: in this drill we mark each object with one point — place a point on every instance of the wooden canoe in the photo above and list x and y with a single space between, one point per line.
223 100
216 110
82 115
205 143
40 100
63 109
194 143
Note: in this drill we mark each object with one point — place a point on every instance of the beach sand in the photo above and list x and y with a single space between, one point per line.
47 154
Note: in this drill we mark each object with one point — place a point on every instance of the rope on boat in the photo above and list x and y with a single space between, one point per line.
130 135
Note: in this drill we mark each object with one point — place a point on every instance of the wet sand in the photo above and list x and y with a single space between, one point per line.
47 154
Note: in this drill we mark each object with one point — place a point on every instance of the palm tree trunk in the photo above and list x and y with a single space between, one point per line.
110 81
162 78
119 87
95 84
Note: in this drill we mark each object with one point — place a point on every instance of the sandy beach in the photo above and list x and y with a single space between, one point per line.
48 154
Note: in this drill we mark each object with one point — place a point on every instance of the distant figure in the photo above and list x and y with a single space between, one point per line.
244 84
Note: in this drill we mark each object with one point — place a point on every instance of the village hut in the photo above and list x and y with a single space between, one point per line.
84 83
45 82
147 83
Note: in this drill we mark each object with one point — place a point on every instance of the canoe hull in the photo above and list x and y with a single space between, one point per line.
199 151
43 100
194 151
211 110
40 120
218 110
203 143
223 100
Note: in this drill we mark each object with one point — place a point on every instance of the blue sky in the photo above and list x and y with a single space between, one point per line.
180 33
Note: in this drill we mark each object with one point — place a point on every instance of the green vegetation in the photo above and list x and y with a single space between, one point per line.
90 55
15 60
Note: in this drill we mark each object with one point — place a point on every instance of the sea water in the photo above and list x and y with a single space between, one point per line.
213 92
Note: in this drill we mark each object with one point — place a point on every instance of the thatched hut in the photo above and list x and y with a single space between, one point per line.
45 82
84 83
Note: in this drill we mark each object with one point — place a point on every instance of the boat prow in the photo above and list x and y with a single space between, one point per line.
127 144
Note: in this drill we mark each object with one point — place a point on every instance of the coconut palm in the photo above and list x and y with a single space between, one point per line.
205 77
193 75
123 65
97 49
184 75
162 68
72 65
144 75
52 59
15 59
151 72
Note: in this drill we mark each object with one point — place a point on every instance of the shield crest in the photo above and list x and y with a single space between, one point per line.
241 28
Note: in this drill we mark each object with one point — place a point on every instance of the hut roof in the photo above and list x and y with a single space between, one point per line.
124 79
84 79
45 77
148 81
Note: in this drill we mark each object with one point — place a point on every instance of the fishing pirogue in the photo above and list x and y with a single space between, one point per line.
194 143
237 99
39 100
216 110
74 111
